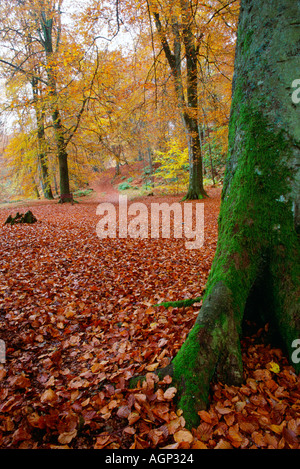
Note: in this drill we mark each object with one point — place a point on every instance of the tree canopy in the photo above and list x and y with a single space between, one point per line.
101 82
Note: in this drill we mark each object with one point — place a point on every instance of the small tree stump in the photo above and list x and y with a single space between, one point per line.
27 217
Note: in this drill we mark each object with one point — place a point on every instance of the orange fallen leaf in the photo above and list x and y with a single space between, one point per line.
102 441
175 424
235 437
152 367
49 396
133 417
199 445
170 393
262 375
204 415
223 410
277 428
183 436
59 447
96 367
223 444
67 437
259 439
172 446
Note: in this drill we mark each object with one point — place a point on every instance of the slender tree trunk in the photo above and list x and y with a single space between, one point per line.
46 187
42 145
55 184
150 166
256 267
117 172
36 189
188 106
196 189
203 132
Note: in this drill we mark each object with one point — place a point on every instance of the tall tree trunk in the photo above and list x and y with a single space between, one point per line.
140 155
42 145
258 247
64 183
195 189
188 106
43 162
61 143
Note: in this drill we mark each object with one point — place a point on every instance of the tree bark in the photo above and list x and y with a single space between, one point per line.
64 183
196 189
42 145
255 271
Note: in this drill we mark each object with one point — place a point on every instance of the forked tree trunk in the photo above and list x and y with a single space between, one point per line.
256 266
188 105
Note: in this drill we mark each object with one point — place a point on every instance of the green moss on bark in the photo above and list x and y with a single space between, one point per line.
212 348
190 377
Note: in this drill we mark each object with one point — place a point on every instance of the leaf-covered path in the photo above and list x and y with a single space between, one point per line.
78 321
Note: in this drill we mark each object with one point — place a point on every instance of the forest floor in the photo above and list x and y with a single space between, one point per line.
78 320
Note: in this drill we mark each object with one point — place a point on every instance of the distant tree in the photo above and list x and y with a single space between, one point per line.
31 32
198 43
255 273
186 84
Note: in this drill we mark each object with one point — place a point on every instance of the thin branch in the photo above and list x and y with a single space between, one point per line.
84 102
217 12
24 72
118 26
153 51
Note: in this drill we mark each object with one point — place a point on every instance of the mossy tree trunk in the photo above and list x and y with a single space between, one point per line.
256 266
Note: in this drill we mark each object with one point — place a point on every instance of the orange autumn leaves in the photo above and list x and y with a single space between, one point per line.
263 412
78 320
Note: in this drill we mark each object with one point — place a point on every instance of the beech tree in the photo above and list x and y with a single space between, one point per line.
44 17
185 29
21 71
33 36
255 272
181 20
